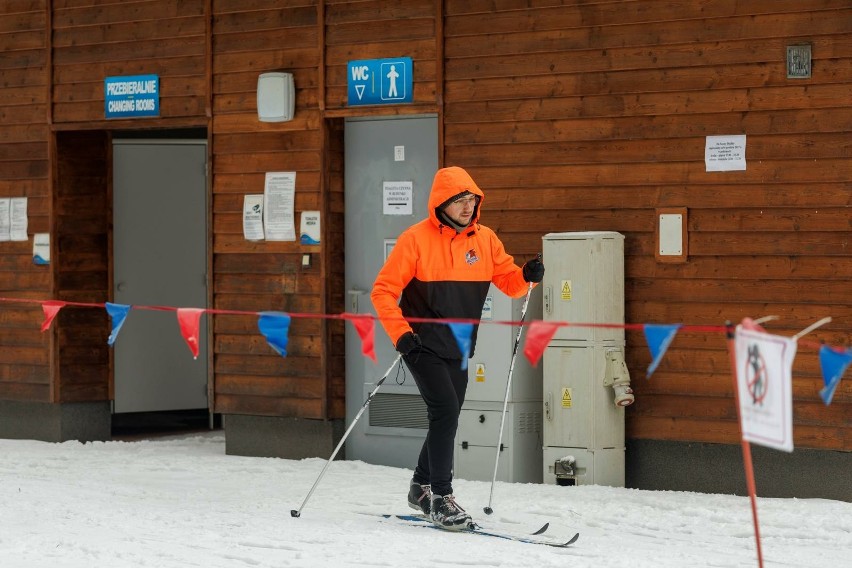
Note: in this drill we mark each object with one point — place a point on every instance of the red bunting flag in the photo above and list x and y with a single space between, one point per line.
50 308
539 335
365 326
189 320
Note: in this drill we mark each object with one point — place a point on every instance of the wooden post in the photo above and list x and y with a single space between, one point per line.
749 469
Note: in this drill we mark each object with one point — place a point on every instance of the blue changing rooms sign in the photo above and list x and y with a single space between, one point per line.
380 81
132 96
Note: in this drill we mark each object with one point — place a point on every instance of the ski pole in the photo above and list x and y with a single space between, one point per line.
488 510
298 512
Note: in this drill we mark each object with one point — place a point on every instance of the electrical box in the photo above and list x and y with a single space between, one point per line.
488 369
586 385
584 283
476 442
481 415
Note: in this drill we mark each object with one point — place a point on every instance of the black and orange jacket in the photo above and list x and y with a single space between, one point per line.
440 273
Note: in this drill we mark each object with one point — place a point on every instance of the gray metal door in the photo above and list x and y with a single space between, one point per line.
392 430
160 259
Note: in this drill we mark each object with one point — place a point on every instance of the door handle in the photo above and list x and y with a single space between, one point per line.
354 294
548 405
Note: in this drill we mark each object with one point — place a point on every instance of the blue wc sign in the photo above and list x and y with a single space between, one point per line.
132 96
380 81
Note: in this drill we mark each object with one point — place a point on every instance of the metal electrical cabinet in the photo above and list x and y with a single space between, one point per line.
488 373
586 384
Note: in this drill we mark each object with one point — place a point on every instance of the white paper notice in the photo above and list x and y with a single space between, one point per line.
253 217
41 248
398 197
5 226
18 219
309 230
725 153
765 388
278 193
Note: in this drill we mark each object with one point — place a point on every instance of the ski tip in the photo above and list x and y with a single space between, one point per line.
572 540
488 510
542 529
294 513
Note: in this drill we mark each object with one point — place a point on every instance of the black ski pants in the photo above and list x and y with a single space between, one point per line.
442 385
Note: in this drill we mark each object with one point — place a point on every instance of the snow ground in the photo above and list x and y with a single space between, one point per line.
181 502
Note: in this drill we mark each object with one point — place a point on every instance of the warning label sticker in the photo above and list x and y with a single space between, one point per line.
567 397
480 373
566 289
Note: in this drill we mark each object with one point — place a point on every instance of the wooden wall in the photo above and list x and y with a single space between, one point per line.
249 38
82 223
584 115
24 170
591 115
93 39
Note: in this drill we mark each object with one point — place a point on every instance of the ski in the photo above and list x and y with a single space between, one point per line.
474 528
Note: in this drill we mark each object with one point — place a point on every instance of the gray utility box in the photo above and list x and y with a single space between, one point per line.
481 415
583 426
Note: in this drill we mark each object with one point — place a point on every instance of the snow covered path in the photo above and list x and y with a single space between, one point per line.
182 502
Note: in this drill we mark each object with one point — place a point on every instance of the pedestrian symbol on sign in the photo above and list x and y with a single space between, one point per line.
380 81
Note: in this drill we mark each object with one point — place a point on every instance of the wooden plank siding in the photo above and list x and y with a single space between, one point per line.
590 116
572 115
93 40
24 167
249 38
82 215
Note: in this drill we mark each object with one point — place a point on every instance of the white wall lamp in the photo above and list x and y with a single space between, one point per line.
276 97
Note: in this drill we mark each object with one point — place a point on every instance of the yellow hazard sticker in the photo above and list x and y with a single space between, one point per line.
480 373
566 289
567 397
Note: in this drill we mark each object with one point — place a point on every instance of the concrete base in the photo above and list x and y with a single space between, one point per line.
83 421
718 468
277 437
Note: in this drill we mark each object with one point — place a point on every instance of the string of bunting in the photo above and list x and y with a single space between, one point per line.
274 326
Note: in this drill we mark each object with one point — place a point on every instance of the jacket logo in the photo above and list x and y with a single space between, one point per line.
470 257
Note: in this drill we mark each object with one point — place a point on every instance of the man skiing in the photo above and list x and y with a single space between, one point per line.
441 267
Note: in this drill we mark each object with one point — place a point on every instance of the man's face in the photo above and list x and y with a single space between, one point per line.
461 210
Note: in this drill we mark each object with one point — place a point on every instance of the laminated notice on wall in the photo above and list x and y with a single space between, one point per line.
309 229
278 194
725 153
253 217
41 248
5 225
18 219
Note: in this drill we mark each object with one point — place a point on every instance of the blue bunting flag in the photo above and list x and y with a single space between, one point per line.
462 333
274 327
833 363
117 313
659 337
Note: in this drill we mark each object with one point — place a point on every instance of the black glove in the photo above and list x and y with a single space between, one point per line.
408 342
534 270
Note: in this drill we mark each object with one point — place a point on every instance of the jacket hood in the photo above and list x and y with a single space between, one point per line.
447 185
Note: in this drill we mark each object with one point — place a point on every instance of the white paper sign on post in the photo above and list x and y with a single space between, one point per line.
397 198
725 153
278 195
765 387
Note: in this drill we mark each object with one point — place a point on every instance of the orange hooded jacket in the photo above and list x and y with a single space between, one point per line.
440 273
